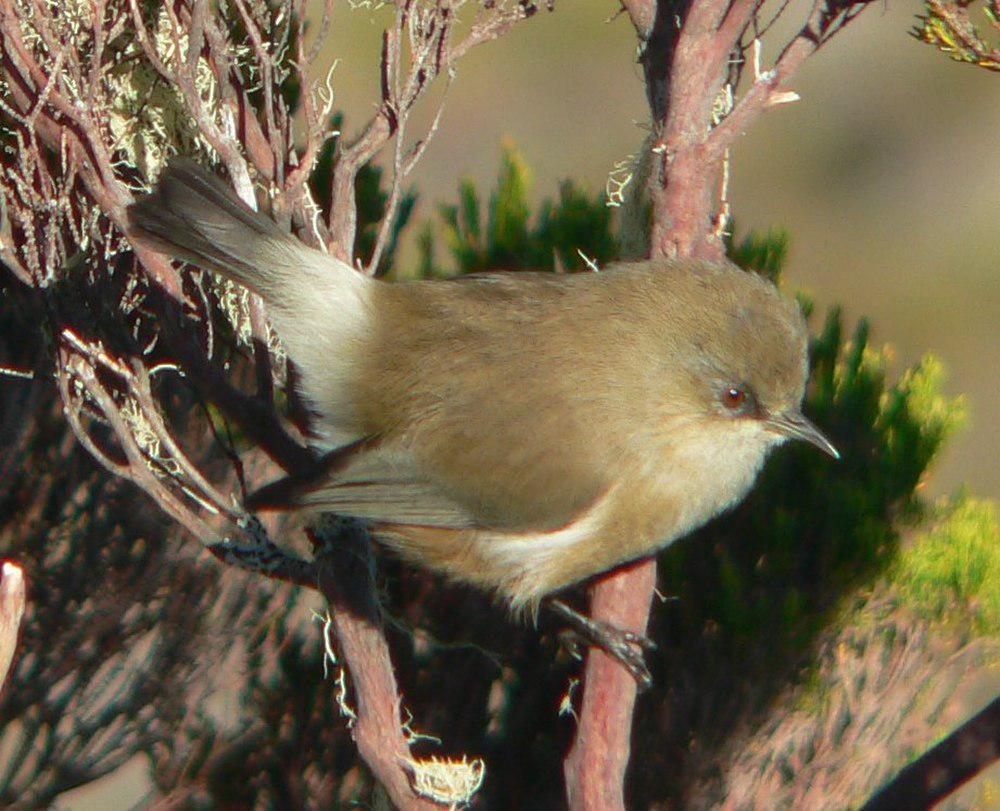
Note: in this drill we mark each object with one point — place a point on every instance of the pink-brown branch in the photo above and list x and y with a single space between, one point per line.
11 610
595 766
686 63
346 578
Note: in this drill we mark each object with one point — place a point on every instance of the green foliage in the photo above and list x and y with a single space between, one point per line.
764 254
511 239
949 27
952 570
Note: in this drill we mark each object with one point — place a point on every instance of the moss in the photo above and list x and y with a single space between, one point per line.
951 571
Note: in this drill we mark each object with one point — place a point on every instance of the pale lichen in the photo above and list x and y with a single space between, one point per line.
451 782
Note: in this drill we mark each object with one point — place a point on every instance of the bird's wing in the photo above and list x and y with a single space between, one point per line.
366 480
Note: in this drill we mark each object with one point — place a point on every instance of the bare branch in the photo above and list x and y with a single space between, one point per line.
823 23
595 766
940 771
346 577
11 610
431 52
642 13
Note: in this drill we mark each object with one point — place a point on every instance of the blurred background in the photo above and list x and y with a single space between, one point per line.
886 175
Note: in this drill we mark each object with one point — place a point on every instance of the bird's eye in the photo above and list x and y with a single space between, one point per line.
733 398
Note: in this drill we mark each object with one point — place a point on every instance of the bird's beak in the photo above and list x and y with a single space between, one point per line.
794 425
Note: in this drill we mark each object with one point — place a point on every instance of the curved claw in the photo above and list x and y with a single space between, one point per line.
625 647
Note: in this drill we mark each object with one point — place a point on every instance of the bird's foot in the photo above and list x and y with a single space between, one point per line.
625 647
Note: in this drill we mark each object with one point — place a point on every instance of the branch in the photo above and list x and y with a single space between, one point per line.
824 21
595 766
949 28
642 13
937 773
687 61
263 557
346 571
430 53
11 611
343 219
686 73
80 385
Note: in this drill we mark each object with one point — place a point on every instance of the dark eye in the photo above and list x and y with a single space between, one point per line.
733 398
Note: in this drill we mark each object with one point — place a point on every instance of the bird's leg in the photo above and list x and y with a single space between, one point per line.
625 647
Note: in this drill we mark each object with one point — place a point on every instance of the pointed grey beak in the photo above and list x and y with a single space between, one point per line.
795 426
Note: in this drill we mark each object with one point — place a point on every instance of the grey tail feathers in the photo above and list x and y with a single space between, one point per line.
194 216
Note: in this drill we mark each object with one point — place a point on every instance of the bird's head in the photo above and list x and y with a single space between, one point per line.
743 357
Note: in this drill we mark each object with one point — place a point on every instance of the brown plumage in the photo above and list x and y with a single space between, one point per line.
517 431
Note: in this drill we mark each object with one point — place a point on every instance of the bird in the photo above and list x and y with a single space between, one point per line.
517 431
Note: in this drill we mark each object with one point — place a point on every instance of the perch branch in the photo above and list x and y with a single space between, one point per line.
687 55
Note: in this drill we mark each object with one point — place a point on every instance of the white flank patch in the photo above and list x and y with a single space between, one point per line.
525 556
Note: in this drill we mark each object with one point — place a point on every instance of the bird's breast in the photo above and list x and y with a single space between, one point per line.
707 468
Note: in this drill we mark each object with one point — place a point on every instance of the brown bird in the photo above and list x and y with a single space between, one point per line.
520 432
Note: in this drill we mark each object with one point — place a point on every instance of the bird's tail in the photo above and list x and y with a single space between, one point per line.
318 305
194 216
